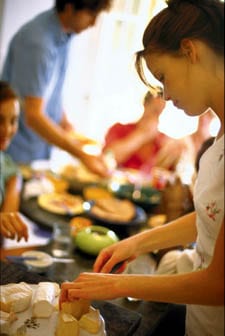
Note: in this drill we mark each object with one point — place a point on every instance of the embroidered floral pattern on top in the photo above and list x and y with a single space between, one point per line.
212 210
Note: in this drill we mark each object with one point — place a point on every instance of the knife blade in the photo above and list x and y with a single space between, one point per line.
33 258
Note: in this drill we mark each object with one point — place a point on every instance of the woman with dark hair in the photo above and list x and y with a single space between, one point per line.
184 50
11 224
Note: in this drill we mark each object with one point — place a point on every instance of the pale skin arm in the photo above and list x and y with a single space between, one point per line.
127 146
11 224
181 231
205 287
55 134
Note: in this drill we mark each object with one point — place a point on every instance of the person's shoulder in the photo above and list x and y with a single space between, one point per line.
7 159
36 27
119 127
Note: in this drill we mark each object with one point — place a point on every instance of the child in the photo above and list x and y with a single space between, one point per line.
11 224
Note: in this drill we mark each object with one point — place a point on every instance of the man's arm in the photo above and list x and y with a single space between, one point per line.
56 135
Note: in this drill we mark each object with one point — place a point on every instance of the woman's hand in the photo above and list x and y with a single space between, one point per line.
12 226
95 286
123 251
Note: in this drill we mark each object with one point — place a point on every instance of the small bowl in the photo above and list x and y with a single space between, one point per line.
94 238
42 264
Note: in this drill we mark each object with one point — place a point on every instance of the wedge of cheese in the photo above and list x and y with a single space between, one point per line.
15 297
43 303
67 325
76 308
91 322
6 319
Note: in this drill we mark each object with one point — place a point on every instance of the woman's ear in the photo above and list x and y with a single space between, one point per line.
188 49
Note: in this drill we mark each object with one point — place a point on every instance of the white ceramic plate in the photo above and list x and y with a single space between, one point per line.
44 325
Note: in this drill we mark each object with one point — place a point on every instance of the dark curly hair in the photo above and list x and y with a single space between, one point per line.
92 5
6 92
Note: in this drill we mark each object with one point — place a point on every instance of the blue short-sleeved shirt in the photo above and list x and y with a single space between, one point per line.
35 66
8 168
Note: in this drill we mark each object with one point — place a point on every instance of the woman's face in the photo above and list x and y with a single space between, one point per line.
182 80
9 115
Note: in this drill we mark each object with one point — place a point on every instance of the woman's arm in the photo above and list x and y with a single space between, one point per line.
205 287
181 231
55 134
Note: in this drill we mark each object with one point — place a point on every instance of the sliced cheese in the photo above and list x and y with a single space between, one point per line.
91 322
15 297
67 325
76 308
6 319
43 302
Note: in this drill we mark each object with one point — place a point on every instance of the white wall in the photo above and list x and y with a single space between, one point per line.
14 14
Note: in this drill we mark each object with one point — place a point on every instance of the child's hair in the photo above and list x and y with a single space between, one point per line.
92 5
6 92
194 19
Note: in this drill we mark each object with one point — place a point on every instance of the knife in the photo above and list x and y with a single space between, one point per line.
116 267
28 258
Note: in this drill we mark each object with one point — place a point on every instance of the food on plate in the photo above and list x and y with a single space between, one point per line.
67 325
94 238
15 297
59 184
156 220
81 173
44 297
91 321
69 315
61 203
93 193
114 209
75 315
76 308
78 223
73 319
6 319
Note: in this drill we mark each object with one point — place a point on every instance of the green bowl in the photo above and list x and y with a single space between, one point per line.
93 239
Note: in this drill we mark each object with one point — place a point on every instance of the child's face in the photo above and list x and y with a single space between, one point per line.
9 115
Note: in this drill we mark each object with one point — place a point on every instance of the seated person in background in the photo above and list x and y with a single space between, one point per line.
11 224
136 145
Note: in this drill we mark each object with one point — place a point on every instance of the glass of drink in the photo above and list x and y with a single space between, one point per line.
61 240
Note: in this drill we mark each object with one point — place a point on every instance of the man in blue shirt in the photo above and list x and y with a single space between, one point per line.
35 67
